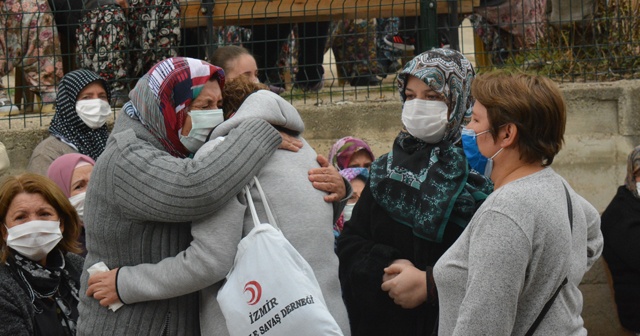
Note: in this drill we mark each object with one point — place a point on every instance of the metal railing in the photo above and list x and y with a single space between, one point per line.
569 41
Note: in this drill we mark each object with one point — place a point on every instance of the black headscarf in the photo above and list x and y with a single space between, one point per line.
67 126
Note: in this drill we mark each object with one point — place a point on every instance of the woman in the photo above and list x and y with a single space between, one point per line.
531 233
30 40
4 160
145 190
72 172
204 265
418 200
39 272
78 126
238 61
621 231
350 152
358 178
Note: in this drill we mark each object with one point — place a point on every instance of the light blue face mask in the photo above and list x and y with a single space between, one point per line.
202 122
478 162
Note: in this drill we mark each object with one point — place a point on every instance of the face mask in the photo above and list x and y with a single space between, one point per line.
489 168
348 210
34 239
425 119
94 112
78 202
476 160
638 187
202 122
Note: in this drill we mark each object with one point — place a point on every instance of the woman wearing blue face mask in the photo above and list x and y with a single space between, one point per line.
516 268
418 200
39 272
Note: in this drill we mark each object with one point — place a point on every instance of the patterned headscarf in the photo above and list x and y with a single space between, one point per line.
161 97
633 165
61 170
427 186
449 73
67 126
342 151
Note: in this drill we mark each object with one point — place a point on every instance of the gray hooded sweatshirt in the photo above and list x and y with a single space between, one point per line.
300 210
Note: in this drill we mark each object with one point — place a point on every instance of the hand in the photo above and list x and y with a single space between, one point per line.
102 287
328 179
389 276
408 287
289 142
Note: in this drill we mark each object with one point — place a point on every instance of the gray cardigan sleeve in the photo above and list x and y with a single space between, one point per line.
151 185
206 261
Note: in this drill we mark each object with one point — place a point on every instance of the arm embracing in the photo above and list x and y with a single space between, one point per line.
206 261
151 185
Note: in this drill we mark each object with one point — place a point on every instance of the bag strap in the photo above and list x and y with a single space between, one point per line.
252 207
547 306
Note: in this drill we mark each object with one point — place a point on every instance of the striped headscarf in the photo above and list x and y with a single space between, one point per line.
67 126
342 151
427 186
161 97
633 165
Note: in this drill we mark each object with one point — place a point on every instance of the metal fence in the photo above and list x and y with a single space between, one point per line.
315 50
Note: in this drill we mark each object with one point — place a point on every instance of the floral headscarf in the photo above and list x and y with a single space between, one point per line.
342 151
633 165
61 170
427 186
67 126
161 97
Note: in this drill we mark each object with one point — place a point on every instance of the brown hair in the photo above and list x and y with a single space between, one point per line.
236 91
223 56
533 103
37 184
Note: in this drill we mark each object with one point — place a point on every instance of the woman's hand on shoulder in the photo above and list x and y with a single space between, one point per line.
327 179
290 142
102 287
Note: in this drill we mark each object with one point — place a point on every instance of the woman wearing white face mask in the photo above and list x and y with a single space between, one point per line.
39 272
78 125
72 172
418 200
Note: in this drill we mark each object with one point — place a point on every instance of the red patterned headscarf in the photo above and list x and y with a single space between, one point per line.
161 97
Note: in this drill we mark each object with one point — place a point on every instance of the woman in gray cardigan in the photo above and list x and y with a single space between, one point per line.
303 216
145 191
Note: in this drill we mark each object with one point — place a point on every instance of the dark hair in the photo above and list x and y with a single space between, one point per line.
29 183
533 103
236 91
223 56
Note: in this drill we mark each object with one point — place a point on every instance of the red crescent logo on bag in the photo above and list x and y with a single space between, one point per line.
255 289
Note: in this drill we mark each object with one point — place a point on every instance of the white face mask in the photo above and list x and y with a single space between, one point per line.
638 186
78 202
348 210
202 122
94 112
34 239
425 119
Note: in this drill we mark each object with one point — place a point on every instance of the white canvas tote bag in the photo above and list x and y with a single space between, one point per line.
271 289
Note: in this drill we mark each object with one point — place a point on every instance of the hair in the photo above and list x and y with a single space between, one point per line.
533 103
223 56
29 183
235 92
